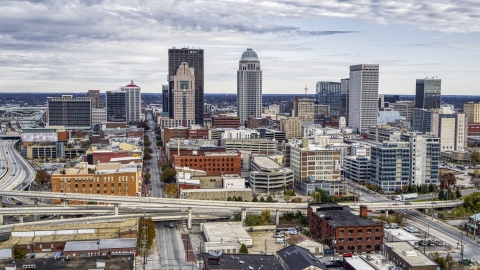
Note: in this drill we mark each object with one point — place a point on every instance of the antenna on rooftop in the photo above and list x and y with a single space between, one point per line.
306 89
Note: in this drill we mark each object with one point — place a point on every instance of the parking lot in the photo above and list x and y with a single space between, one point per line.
264 240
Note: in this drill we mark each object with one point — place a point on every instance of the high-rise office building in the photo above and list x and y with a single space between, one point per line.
165 98
405 108
428 93
249 86
116 106
363 97
194 59
133 102
328 93
344 87
69 111
95 96
305 109
451 128
472 111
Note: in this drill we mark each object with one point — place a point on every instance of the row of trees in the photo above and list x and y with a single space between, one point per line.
321 196
256 220
146 231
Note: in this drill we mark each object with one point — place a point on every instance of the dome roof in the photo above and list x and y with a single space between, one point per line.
131 84
249 54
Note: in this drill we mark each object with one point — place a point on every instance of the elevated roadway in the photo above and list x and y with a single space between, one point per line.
205 204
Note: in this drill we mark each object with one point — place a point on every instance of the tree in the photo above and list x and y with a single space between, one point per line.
148 232
168 175
165 165
255 199
252 220
405 188
239 199
447 180
171 190
424 188
43 177
265 216
458 194
20 252
317 197
475 158
441 195
262 199
269 198
475 178
297 200
147 156
243 249
147 178
148 149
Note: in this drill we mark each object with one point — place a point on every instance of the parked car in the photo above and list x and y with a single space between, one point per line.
293 232
279 240
386 226
278 235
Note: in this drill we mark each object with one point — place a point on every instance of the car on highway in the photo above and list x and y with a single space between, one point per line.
434 203
170 225
408 203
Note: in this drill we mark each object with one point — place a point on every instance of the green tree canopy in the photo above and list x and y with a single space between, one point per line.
243 249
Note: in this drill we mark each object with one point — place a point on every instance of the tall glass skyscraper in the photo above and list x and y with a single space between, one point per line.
428 93
194 58
328 93
344 97
249 86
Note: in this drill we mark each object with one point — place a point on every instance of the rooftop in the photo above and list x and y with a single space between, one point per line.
215 190
242 261
299 258
78 263
340 216
266 162
125 224
408 253
249 55
224 232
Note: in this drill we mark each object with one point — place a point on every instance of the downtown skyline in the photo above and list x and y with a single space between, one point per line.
47 47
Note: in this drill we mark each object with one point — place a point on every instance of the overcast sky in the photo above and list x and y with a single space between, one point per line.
46 46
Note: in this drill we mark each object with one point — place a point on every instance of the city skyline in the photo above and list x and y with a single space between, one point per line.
98 45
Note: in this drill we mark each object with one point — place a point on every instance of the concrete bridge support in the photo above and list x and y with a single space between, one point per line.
386 213
36 217
65 203
189 219
115 209
1 205
277 217
244 215
20 219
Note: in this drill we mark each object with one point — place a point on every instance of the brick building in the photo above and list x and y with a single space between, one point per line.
336 226
106 178
184 133
190 150
225 121
211 163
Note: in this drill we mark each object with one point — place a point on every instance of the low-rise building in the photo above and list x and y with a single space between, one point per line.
227 237
218 260
233 181
225 121
103 178
124 246
216 194
294 257
330 187
212 163
338 227
405 256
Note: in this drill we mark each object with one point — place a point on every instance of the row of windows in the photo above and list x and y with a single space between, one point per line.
359 239
350 231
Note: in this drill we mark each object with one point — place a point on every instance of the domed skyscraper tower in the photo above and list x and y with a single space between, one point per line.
249 87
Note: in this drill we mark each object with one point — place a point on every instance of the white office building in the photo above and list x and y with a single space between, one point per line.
249 87
363 97
133 102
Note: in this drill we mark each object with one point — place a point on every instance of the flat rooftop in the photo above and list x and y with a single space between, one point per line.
266 162
215 190
401 235
232 261
128 223
78 263
408 253
224 232
368 262
340 216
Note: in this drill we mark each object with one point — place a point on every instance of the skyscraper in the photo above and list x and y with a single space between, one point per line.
165 98
249 86
116 106
328 93
363 97
194 59
133 102
344 86
95 96
427 93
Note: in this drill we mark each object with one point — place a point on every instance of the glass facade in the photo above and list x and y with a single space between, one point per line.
428 93
328 93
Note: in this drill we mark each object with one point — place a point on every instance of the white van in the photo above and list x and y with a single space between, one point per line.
279 240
